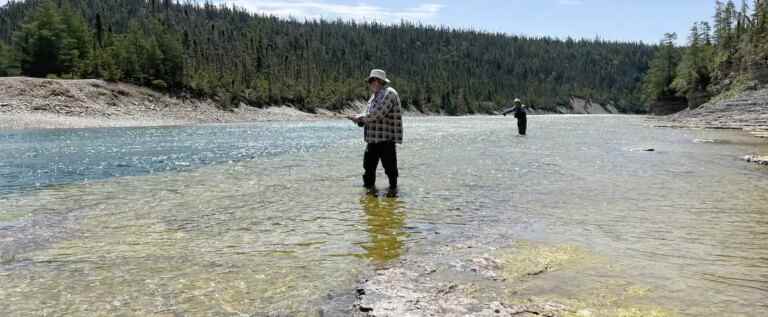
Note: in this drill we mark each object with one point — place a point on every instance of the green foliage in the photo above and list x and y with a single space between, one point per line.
227 54
8 64
40 42
717 58
694 73
105 64
658 81
77 43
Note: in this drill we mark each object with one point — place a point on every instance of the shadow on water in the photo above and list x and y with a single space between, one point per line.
385 219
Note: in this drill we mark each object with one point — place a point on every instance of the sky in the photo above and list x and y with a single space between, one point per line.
621 20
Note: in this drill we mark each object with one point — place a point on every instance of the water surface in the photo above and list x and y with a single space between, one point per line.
258 218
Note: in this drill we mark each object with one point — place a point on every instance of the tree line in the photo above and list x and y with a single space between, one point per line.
722 56
225 53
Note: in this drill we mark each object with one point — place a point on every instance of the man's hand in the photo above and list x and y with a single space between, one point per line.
357 120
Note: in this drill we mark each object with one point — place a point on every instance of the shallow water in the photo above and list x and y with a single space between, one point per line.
34 159
258 218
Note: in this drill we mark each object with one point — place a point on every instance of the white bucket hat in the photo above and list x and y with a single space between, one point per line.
378 74
517 100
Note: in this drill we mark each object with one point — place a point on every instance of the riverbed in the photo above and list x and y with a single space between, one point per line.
270 218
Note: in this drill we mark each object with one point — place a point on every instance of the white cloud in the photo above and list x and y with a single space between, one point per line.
312 9
315 9
571 2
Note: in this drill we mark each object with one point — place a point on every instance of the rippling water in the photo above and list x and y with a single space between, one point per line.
250 219
39 158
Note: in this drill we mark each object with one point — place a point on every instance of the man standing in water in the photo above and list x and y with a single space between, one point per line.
383 124
520 114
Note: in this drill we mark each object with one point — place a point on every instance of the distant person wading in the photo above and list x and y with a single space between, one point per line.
383 124
520 115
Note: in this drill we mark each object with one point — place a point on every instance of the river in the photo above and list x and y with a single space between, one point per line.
252 219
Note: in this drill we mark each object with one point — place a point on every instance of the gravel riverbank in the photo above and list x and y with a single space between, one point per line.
36 103
33 103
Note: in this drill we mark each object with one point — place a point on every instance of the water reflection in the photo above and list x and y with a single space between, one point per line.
385 218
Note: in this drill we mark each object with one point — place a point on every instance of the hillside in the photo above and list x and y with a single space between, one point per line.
233 57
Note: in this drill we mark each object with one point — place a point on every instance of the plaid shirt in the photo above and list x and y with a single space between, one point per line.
384 121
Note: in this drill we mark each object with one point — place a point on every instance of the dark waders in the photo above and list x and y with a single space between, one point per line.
522 124
386 152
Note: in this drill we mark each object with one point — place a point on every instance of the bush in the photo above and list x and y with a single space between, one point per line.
159 84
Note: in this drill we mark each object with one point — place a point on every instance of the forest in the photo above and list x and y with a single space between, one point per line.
727 55
201 50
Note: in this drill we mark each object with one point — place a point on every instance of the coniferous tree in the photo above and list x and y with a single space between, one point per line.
736 51
8 65
41 42
76 44
693 74
658 82
758 60
99 31
236 57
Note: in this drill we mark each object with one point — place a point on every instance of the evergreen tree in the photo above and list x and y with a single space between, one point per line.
693 74
99 31
736 49
41 42
759 37
76 44
171 67
105 65
658 81
8 65
228 54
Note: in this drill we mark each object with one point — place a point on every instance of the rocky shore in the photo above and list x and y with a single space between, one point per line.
475 279
746 111
36 103
33 103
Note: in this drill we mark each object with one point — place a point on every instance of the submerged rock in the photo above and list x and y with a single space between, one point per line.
757 159
480 281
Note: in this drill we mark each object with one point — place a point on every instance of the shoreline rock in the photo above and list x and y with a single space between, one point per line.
36 103
747 111
469 284
475 279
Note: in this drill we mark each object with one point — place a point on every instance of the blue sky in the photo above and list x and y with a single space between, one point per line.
626 20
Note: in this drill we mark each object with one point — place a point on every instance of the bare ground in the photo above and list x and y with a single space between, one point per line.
32 103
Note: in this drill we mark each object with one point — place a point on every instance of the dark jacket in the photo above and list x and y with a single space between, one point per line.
519 111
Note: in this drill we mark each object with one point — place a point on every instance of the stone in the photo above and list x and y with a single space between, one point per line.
757 159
